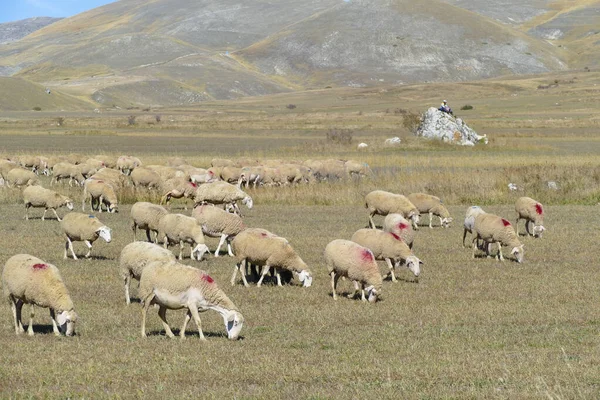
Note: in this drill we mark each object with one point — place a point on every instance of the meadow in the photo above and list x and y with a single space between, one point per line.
470 328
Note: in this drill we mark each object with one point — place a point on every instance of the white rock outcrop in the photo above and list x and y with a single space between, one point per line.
436 124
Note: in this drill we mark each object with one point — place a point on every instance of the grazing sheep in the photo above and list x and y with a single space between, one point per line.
357 263
113 177
433 205
261 248
34 163
221 162
469 223
397 224
106 161
135 257
146 216
166 173
218 223
362 146
95 163
180 229
87 170
99 191
200 176
356 168
176 162
126 164
177 188
28 280
231 174
173 286
222 193
531 211
383 203
494 229
5 167
144 177
75 158
63 170
21 177
37 196
389 247
83 228
253 175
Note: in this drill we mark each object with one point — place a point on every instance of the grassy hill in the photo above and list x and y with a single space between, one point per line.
19 94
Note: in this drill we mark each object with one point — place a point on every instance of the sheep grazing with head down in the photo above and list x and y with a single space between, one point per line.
145 215
222 193
177 188
431 205
173 286
469 223
398 225
383 203
494 229
180 229
28 280
218 223
64 170
345 258
126 164
21 177
531 211
101 193
83 228
144 177
37 196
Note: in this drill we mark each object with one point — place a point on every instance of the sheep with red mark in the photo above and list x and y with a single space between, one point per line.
177 188
397 224
431 205
222 193
390 248
345 258
469 223
180 229
531 211
216 222
146 216
174 286
84 228
494 229
383 203
29 280
37 197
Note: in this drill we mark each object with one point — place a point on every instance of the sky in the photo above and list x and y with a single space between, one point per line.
14 10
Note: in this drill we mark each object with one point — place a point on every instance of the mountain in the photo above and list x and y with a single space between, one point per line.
13 31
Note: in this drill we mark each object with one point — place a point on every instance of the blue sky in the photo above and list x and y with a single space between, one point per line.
14 10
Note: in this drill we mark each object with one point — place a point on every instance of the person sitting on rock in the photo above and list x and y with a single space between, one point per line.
445 107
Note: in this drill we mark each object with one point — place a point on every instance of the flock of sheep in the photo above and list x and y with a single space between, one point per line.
167 283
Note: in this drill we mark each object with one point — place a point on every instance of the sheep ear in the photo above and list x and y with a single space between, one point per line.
61 318
421 262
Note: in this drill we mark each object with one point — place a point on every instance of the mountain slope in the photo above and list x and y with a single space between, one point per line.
13 31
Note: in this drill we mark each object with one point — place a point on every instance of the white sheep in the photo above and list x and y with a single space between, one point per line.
28 280
432 205
100 192
383 203
469 223
177 188
494 229
218 223
180 229
173 286
126 164
357 168
222 193
5 167
345 258
135 257
145 215
37 196
389 247
144 177
21 177
85 228
64 170
531 211
261 248
397 224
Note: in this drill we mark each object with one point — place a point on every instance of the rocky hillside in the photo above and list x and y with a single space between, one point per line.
13 31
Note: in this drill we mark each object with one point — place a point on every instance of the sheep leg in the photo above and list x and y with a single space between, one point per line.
52 180
30 327
100 201
148 237
196 315
89 245
473 245
391 267
527 227
235 270
517 224
43 215
464 237
69 246
54 326
57 217
500 257
147 305
371 222
431 219
278 276
162 313
229 251
127 283
16 306
186 319
265 271
27 212
181 250
334 280
223 237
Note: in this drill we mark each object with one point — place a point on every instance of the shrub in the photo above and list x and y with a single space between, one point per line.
467 107
36 108
158 118
131 120
340 136
290 106
60 121
411 121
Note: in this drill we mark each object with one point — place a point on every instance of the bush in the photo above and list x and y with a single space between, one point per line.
60 121
37 108
340 136
467 107
290 106
131 120
411 121
158 118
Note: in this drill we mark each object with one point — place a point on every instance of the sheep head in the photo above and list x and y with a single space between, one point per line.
248 202
446 222
538 231
66 322
305 277
414 265
234 321
105 233
68 203
518 252
371 294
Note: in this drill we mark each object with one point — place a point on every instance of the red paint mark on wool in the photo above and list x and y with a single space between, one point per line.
366 255
40 266
193 184
207 278
263 234
538 209
396 236
402 226
505 222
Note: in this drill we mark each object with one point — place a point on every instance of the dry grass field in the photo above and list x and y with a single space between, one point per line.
470 328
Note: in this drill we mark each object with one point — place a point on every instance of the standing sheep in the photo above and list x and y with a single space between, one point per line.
144 177
493 229
173 286
432 205
531 211
222 193
357 263
126 164
177 188
63 170
37 196
388 247
180 229
21 177
28 280
100 191
383 203
218 223
145 215
397 224
135 257
469 223
83 228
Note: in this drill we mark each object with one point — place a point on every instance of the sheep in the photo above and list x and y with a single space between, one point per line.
63 170
85 228
34 163
173 286
494 229
253 175
221 162
144 177
389 247
362 146
21 177
75 158
166 173
102 192
397 224
180 229
469 223
176 162
231 174
87 170
177 188
5 167
199 175
146 216
222 193
29 280
108 162
433 205
356 168
351 260
135 257
95 163
126 164
116 179
531 211
384 203
261 248
37 196
218 223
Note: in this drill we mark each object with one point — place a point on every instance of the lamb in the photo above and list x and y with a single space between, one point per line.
100 191
384 203
180 229
218 223
37 196
135 257
63 170
21 177
397 224
83 228
531 211
144 177
469 223
388 247
146 216
261 248
494 229
351 260
126 164
173 286
222 193
433 205
28 280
